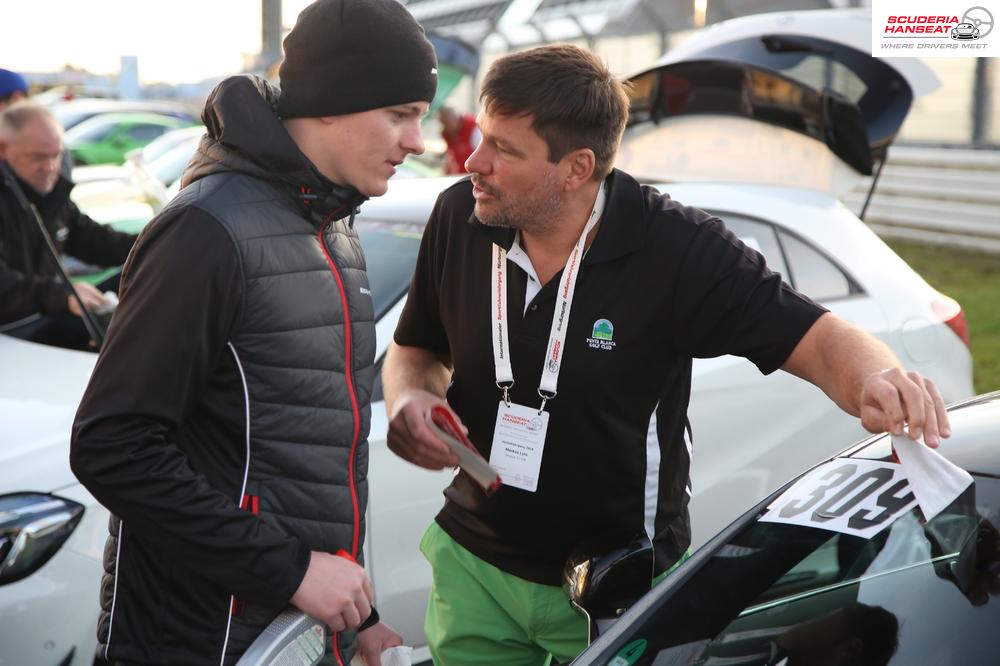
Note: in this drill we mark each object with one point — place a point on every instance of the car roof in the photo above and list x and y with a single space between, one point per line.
408 200
134 117
108 102
109 105
411 200
69 113
112 119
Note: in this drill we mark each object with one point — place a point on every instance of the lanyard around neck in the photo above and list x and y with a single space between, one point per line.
560 317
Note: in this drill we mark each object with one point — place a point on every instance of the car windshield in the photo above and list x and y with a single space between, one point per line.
780 591
391 254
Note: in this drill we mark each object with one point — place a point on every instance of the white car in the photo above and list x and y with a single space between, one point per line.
751 433
766 120
141 157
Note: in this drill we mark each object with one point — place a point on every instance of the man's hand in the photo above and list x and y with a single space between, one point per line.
375 640
91 297
411 438
335 591
890 397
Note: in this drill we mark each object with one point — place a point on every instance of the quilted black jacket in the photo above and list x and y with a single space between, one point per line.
226 421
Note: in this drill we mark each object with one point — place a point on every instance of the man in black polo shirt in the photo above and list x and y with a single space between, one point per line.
557 305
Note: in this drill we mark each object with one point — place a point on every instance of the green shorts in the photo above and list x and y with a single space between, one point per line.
478 614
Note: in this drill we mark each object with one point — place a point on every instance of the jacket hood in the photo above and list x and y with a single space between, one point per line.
244 134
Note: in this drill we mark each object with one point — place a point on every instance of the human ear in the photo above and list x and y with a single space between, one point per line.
579 165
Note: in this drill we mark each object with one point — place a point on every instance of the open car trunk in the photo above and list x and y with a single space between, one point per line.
785 98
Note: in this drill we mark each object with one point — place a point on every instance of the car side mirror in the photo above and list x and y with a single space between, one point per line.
605 576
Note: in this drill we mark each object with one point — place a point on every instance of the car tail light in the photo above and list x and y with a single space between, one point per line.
951 314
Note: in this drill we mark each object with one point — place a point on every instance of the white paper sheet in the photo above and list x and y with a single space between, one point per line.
934 480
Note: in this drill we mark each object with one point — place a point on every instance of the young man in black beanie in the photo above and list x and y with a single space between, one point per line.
225 424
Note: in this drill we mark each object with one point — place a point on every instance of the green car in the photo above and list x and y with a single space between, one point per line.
104 139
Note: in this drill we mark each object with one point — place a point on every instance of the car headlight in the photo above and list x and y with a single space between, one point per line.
33 526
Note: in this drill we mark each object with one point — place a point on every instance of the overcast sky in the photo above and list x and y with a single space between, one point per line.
175 40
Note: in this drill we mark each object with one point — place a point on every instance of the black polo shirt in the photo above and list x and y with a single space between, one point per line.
661 284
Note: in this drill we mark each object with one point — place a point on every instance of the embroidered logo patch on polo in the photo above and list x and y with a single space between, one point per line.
602 336
603 329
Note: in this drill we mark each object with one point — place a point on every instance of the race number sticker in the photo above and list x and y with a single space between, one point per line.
849 495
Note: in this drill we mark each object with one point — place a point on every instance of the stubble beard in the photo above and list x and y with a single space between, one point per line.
536 214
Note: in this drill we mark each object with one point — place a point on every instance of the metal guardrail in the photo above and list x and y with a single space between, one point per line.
943 196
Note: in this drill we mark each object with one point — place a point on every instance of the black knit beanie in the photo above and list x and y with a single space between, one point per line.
346 56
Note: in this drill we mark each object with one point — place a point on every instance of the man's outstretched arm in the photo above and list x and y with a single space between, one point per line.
864 378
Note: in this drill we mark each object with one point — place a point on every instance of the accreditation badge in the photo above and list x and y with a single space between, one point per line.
518 441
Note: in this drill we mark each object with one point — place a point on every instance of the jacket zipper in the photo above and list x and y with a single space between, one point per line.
249 503
354 405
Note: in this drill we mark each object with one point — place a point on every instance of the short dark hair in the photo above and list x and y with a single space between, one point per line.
573 99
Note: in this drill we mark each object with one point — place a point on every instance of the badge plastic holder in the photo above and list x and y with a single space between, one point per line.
446 427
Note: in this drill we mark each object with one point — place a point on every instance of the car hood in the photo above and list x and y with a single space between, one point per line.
785 98
40 389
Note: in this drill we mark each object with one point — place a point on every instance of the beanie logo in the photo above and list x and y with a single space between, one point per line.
434 71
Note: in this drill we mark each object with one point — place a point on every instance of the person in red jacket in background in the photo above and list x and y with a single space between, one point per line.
460 133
